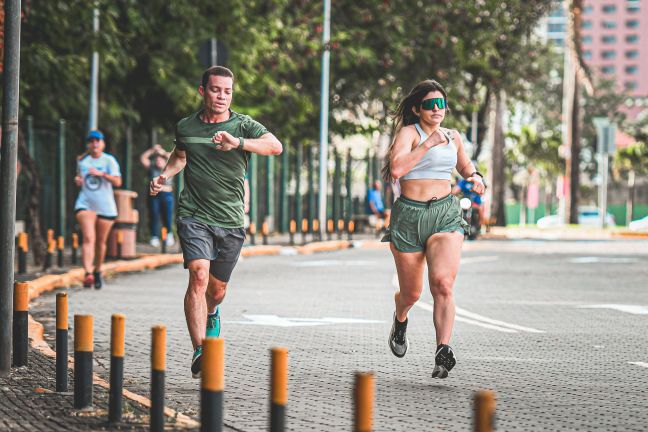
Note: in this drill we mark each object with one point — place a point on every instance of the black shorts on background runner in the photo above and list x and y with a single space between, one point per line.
221 246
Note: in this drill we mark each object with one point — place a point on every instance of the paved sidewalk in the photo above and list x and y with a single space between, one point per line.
29 402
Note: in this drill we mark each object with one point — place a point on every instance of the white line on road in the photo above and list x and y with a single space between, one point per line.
607 260
631 309
479 259
473 315
642 364
327 263
430 308
277 321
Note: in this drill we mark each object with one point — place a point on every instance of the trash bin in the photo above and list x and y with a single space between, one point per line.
125 226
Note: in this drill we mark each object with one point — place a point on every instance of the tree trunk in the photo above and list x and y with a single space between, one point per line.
574 183
482 115
499 174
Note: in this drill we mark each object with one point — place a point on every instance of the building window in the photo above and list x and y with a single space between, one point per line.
632 54
588 9
556 28
587 39
608 24
632 23
632 39
587 24
631 69
608 39
609 8
607 69
630 85
632 9
587 55
608 54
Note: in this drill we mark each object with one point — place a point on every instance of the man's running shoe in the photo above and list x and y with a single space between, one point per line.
88 280
98 280
444 361
398 342
196 362
213 324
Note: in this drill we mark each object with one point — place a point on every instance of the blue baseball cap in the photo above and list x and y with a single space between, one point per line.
95 134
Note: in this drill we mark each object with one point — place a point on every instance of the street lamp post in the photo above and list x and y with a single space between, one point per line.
606 144
324 112
94 77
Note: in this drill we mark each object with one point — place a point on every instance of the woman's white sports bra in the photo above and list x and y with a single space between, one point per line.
438 162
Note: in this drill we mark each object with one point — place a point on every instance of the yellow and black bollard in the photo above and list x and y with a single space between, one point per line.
83 347
120 243
279 389
340 228
49 257
20 324
304 230
363 399
60 245
316 232
165 233
484 417
350 229
23 248
252 231
61 342
75 247
158 367
329 229
212 384
117 330
264 232
50 235
292 231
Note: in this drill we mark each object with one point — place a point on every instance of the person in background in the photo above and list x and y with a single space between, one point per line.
375 201
97 173
160 205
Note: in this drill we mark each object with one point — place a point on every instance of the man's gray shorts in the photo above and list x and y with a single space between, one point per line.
221 246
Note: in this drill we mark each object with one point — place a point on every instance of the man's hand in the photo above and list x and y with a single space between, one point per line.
78 180
156 185
437 138
478 184
225 141
95 172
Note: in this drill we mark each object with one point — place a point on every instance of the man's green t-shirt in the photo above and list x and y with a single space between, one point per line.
213 179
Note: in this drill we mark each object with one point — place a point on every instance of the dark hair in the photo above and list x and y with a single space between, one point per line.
404 116
218 71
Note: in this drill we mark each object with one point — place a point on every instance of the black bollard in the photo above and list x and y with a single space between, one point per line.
115 405
61 342
158 366
60 244
83 348
212 385
21 324
279 389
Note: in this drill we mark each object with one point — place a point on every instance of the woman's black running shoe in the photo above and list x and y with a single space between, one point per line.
398 342
444 361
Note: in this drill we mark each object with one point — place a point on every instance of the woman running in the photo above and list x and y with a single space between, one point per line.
95 208
426 221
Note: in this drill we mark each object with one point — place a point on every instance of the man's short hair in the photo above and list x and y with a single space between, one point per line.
218 71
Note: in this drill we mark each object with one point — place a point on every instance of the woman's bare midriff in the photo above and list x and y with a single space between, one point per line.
425 189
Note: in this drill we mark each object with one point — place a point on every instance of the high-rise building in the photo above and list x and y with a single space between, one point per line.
553 27
615 45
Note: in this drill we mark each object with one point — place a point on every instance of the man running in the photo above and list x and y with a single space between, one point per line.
213 146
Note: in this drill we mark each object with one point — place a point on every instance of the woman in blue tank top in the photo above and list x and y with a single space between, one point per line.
97 173
426 222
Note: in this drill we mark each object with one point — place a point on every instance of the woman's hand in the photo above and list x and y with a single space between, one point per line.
437 138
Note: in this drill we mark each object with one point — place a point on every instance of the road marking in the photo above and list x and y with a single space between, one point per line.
631 309
277 321
468 314
430 308
642 364
510 359
479 259
607 260
330 263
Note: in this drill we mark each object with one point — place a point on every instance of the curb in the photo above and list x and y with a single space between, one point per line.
630 234
75 276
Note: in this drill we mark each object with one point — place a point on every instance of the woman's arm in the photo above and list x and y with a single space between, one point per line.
403 157
465 167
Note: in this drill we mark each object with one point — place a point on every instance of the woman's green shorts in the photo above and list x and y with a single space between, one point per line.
413 222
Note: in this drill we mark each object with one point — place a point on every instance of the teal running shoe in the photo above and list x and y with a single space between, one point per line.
213 324
196 362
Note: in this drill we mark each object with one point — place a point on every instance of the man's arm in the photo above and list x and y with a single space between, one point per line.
266 145
174 165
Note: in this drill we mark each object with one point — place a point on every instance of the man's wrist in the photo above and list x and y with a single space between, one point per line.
241 143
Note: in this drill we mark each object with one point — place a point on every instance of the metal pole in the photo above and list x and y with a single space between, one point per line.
270 191
298 169
213 51
311 186
349 195
603 169
8 160
324 113
283 195
94 76
128 158
337 212
30 136
253 189
61 179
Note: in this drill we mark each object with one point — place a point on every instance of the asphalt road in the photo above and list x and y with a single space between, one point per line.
557 329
